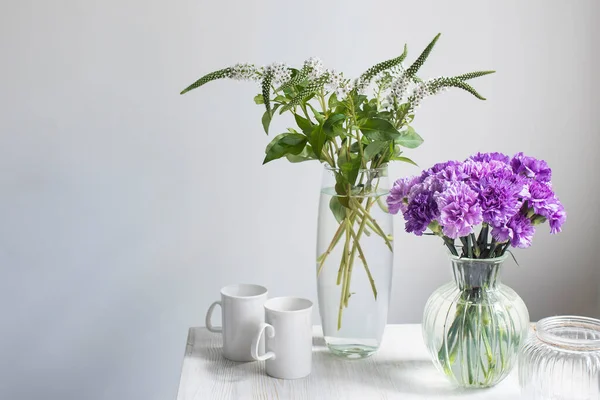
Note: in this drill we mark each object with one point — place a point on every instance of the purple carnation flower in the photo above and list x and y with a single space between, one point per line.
499 199
540 196
487 157
441 166
519 230
459 210
398 192
522 231
477 170
555 213
421 210
557 217
433 184
508 194
531 167
545 203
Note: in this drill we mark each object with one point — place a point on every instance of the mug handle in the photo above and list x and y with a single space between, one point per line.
256 341
209 325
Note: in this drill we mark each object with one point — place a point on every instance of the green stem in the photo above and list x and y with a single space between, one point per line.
353 123
465 244
334 142
350 267
323 104
482 240
344 267
331 153
303 107
450 245
356 238
374 225
334 242
490 253
469 247
343 258
475 246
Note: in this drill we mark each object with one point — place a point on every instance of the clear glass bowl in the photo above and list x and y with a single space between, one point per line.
561 360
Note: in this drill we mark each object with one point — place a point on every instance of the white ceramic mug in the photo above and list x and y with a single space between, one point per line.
242 314
289 338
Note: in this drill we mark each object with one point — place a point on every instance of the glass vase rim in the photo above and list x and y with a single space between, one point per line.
361 170
501 258
543 331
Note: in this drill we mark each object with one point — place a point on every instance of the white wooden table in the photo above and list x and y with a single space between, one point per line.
401 369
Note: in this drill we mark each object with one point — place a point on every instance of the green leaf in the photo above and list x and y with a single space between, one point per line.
332 122
409 139
404 159
305 125
258 99
412 70
305 155
350 168
317 140
266 121
379 129
285 143
220 74
340 109
373 149
403 109
318 116
266 118
338 210
333 101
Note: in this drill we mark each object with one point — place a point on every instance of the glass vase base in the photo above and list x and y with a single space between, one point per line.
346 349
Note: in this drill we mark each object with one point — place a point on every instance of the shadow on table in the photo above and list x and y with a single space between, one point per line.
416 377
402 376
220 368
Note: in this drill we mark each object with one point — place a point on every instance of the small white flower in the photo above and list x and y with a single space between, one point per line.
244 72
399 87
315 67
344 90
421 91
280 72
360 85
337 83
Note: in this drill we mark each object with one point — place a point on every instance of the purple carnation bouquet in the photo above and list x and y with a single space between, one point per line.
473 327
505 198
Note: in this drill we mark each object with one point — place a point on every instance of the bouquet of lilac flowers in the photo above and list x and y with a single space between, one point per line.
507 197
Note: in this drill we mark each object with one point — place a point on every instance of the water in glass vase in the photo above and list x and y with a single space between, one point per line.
474 326
354 266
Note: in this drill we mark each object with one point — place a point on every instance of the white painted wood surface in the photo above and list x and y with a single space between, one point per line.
400 370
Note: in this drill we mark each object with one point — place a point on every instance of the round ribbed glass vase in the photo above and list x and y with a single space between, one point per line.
561 360
474 326
354 261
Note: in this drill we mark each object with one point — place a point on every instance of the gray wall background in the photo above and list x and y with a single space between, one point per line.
124 207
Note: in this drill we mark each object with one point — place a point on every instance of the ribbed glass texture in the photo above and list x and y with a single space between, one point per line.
474 326
561 360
